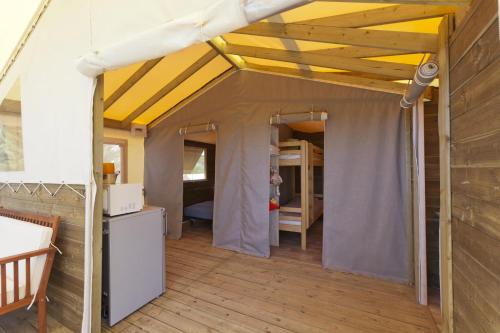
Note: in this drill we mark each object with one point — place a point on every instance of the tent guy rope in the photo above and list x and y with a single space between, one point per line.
16 187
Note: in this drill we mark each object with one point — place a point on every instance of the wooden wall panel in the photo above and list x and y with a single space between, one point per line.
475 163
65 289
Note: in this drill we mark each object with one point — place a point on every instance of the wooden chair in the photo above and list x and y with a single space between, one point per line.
40 297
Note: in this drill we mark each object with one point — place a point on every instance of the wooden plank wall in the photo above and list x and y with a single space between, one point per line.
65 289
432 191
475 169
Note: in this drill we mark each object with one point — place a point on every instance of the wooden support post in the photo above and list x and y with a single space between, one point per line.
409 196
445 250
97 155
304 202
419 221
310 185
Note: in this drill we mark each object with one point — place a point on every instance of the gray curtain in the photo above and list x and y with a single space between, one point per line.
364 219
163 167
241 216
364 203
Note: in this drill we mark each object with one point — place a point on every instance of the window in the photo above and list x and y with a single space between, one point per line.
11 135
115 151
195 164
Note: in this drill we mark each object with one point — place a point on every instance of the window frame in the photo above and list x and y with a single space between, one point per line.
8 108
123 144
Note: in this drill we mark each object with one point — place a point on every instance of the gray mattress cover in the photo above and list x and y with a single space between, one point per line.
202 210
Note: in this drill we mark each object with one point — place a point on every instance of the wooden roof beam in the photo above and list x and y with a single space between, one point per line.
335 78
381 16
341 79
112 123
393 70
359 52
129 83
202 90
409 2
394 40
197 65
218 45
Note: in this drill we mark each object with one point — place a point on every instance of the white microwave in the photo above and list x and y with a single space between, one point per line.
121 199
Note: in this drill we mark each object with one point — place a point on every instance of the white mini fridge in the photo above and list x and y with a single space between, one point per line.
133 257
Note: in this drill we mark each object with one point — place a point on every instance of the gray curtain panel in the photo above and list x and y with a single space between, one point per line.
364 218
364 203
241 216
163 168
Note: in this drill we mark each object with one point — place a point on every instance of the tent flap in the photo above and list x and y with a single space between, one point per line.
149 36
365 175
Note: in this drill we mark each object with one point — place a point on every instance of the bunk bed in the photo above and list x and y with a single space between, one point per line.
298 214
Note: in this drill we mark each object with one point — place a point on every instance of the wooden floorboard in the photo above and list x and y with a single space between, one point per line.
216 290
26 321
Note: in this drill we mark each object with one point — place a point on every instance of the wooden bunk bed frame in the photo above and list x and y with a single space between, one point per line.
305 155
40 297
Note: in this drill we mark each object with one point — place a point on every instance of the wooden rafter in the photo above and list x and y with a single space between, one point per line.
219 50
112 123
209 85
380 16
394 40
197 65
367 75
10 106
393 70
336 78
358 52
129 83
409 2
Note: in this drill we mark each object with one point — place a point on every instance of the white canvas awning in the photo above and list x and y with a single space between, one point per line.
16 16
163 27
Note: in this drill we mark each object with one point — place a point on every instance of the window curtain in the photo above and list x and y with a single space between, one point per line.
191 156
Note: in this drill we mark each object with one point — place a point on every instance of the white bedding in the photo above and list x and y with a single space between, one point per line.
289 156
17 237
290 222
295 203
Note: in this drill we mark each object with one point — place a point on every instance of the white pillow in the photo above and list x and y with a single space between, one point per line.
17 237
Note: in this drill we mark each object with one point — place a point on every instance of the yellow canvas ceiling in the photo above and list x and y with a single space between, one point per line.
142 100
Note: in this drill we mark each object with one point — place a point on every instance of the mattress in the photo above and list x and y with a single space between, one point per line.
290 222
289 156
17 237
202 210
295 203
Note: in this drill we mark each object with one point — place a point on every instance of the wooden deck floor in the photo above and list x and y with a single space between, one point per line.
23 321
214 290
